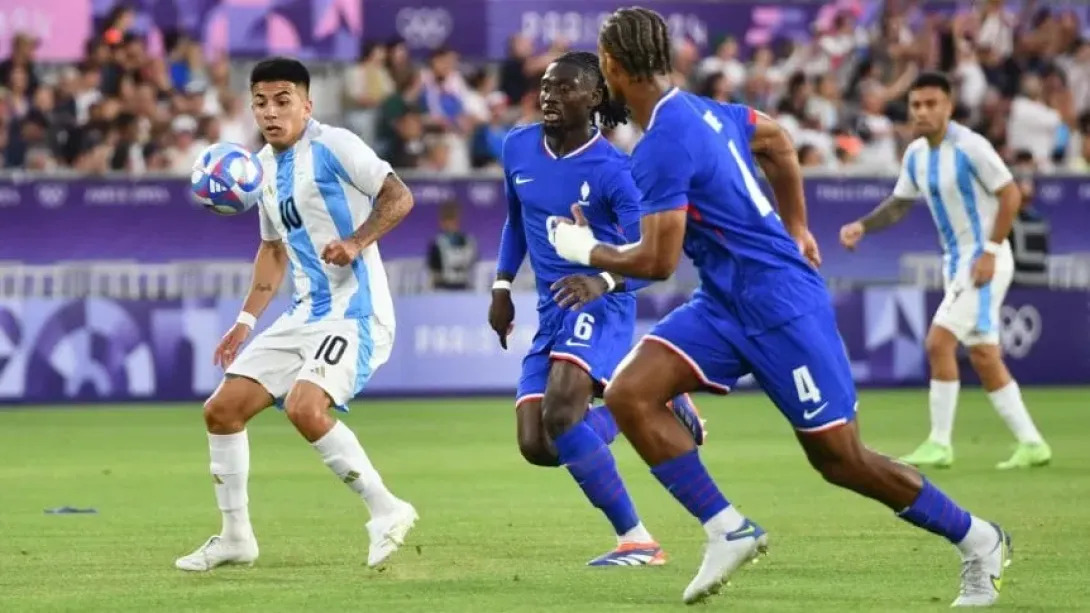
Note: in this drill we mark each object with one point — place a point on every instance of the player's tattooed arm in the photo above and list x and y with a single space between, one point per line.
889 212
393 203
269 265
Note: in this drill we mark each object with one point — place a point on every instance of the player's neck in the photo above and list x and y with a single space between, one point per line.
564 143
281 149
645 96
935 139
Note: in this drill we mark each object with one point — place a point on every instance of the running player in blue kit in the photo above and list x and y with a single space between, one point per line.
761 309
579 341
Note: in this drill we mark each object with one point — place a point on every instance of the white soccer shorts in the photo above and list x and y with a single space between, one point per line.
338 356
972 313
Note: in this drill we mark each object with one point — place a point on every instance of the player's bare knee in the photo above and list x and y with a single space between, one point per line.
224 414
839 461
848 472
984 357
623 398
940 344
567 396
307 408
301 409
218 417
561 410
536 451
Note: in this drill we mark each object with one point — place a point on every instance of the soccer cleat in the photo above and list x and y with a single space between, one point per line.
387 532
632 554
931 454
1027 455
217 551
724 554
686 412
982 575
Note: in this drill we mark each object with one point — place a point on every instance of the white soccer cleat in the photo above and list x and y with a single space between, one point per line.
388 531
982 575
217 551
724 554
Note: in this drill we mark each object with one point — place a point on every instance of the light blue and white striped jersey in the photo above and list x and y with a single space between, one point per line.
319 191
959 180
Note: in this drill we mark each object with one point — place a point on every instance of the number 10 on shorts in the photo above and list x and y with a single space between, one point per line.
331 350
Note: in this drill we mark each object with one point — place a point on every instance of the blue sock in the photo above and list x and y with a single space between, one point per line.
591 464
935 512
689 482
601 421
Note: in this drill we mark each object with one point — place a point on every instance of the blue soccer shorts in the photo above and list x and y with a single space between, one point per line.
801 365
596 338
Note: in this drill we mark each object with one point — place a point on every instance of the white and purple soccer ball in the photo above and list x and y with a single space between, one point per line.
227 179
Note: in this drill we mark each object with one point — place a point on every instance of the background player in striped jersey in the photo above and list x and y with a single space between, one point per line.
974 199
547 167
328 199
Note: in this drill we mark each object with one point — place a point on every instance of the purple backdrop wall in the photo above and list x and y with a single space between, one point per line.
479 28
54 351
155 220
332 29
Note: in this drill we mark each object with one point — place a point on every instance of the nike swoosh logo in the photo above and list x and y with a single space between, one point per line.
569 343
522 180
743 532
812 414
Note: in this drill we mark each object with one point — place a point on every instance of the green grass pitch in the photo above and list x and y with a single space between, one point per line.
498 535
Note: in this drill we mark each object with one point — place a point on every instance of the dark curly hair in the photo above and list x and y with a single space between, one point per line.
610 113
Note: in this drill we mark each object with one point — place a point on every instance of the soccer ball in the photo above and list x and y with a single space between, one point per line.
227 179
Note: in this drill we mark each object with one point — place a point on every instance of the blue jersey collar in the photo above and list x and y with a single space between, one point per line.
587 145
655 111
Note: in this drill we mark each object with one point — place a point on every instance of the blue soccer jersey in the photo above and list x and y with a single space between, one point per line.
541 188
761 308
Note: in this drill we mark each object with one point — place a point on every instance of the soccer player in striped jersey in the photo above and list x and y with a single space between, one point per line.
327 200
973 199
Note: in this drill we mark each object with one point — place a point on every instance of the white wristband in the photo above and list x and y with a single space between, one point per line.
611 284
503 284
246 319
992 247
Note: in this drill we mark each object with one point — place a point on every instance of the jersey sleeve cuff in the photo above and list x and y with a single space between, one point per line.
672 204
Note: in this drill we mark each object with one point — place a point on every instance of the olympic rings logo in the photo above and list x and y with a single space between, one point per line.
424 27
1019 329
51 195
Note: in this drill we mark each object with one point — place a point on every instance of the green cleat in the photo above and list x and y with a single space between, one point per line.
931 454
1027 455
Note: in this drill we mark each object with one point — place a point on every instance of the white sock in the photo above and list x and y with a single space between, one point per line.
723 522
1007 401
944 403
342 453
230 466
980 539
637 534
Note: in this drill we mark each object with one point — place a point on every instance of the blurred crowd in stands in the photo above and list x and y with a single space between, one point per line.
1023 80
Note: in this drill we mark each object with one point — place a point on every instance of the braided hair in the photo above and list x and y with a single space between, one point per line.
638 39
610 113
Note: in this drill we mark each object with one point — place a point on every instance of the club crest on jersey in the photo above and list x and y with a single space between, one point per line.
584 194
